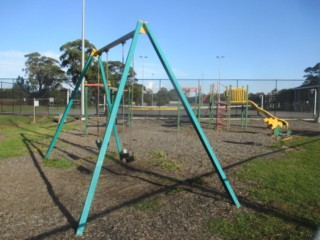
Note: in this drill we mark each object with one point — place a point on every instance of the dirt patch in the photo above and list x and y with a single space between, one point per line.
143 199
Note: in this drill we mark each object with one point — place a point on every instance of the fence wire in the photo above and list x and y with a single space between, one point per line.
282 97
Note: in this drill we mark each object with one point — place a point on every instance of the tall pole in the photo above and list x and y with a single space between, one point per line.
219 61
143 57
82 62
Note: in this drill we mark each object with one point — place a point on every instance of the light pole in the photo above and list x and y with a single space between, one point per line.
143 58
219 61
82 62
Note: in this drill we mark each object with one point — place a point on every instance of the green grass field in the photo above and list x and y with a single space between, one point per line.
284 195
17 131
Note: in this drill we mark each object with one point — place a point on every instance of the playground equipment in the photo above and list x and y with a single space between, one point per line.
218 109
240 96
222 112
141 28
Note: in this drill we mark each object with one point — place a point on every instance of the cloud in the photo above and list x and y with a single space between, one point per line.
12 62
51 54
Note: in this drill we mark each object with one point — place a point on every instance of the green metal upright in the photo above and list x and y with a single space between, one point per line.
106 138
66 111
86 111
109 102
192 116
129 107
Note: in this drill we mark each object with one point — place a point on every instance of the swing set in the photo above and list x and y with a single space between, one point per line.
141 28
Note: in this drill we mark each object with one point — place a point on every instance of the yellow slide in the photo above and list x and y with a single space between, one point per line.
238 96
271 120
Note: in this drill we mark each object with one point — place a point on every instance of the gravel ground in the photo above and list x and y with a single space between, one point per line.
171 172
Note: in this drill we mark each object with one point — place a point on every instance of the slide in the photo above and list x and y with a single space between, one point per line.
271 120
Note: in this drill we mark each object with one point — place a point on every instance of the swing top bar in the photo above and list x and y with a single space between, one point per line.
120 40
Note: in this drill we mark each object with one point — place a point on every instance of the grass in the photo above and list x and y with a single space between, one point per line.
287 188
147 205
256 226
59 163
161 159
19 135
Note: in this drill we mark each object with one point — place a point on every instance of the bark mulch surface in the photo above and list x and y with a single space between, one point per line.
170 190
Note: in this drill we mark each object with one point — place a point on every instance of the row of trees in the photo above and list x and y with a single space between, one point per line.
45 74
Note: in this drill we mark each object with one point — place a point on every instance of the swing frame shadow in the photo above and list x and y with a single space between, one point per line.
141 28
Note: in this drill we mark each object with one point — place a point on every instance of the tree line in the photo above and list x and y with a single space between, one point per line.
45 75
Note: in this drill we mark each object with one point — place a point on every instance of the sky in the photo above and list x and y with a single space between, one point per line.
265 39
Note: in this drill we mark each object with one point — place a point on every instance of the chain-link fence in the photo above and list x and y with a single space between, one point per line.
20 99
156 97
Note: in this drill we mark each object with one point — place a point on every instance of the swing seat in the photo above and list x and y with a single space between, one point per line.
99 143
125 156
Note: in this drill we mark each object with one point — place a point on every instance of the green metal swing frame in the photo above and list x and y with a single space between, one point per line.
141 28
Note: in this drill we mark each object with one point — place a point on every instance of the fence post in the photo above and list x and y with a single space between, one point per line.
20 94
275 99
318 96
1 98
12 96
34 110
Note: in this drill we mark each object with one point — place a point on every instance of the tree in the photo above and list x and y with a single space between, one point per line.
162 97
173 96
115 69
312 75
22 86
71 60
43 72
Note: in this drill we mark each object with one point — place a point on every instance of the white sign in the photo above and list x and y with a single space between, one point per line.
36 103
51 100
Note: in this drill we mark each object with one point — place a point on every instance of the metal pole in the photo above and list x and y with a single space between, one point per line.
219 60
20 90
206 144
82 62
275 99
34 110
86 111
107 134
143 57
1 98
66 111
179 112
12 96
315 103
318 96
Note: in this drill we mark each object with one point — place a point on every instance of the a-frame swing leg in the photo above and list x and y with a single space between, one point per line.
196 124
107 90
106 138
66 111
73 95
